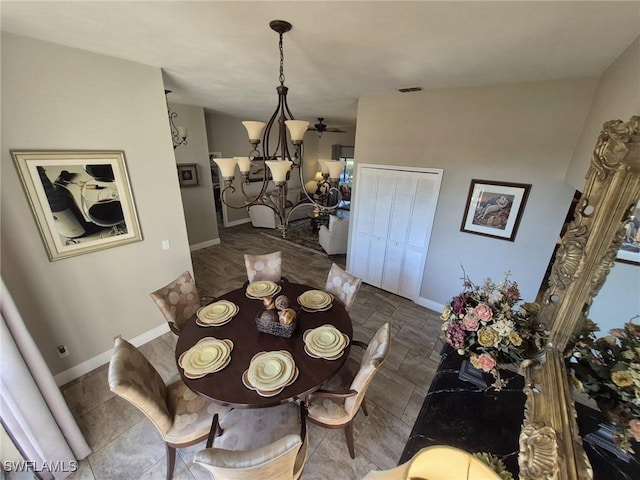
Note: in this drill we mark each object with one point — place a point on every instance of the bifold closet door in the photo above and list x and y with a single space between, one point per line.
393 216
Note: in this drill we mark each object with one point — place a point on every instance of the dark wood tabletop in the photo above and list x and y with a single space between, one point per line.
226 387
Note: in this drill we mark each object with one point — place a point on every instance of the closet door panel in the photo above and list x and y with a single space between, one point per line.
412 270
376 260
385 187
359 256
393 267
423 211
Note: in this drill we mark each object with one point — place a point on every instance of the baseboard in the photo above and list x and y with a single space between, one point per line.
430 304
99 360
238 222
208 243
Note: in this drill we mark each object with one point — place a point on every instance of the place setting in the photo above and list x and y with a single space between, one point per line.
315 301
262 288
270 372
326 342
209 355
216 313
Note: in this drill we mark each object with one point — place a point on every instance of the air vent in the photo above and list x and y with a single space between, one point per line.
410 89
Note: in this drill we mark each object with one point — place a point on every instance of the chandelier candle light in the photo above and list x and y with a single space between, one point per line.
279 159
178 134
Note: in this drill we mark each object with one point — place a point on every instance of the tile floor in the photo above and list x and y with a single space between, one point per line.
125 445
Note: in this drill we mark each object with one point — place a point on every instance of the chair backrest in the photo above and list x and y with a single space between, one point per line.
264 267
343 285
275 461
178 301
372 358
133 378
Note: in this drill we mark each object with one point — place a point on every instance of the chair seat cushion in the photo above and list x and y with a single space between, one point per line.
329 411
191 413
253 428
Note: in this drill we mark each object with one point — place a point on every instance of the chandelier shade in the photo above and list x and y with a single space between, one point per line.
282 151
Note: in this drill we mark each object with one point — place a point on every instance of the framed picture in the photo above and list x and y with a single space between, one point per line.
494 209
630 250
81 201
188 174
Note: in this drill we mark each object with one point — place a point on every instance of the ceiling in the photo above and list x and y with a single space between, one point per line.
224 57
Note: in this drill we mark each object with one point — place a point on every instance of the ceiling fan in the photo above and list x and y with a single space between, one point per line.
321 128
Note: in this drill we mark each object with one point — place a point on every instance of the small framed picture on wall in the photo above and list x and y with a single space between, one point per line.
188 174
494 209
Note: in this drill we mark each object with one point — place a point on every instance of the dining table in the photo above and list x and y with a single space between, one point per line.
226 386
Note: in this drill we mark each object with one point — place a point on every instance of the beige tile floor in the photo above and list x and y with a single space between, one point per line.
125 445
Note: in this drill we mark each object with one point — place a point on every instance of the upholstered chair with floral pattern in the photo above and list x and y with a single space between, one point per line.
260 443
182 417
335 406
342 285
264 267
179 301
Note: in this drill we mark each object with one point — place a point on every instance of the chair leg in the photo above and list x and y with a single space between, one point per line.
363 406
348 431
171 461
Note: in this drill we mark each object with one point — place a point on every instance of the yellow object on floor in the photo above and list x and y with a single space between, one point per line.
438 463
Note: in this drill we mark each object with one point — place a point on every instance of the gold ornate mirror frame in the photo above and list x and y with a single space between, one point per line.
550 444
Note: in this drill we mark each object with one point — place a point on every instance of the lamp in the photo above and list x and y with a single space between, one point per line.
178 134
280 157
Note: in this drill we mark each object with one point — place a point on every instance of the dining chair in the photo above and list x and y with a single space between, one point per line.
438 462
179 301
182 417
338 402
343 285
259 443
264 267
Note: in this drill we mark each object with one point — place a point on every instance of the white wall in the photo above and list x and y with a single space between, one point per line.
617 97
514 133
198 201
54 97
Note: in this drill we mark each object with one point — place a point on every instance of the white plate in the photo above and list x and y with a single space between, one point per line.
325 342
260 297
206 356
315 299
268 393
322 357
271 370
205 319
262 288
194 376
314 310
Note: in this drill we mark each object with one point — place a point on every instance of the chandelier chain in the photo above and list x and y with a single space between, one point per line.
281 60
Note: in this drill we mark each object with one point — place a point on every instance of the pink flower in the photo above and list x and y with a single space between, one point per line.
634 426
484 312
470 322
486 362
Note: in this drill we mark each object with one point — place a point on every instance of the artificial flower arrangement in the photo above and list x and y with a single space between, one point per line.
484 323
607 369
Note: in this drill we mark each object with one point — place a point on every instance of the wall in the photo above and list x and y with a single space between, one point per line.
54 97
515 133
617 97
198 202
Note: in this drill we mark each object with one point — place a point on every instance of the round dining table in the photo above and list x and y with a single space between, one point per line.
226 386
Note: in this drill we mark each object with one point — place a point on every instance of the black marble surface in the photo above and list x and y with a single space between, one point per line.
467 415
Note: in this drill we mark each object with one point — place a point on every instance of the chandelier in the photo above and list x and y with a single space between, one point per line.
178 134
282 151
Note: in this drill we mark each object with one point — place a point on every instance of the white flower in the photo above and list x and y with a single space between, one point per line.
503 327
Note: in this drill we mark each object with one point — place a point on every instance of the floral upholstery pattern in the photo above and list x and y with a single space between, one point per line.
264 267
179 414
262 443
178 301
339 411
343 285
